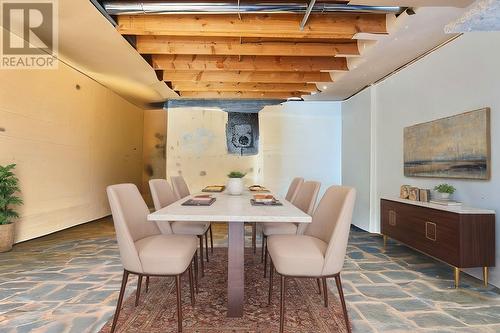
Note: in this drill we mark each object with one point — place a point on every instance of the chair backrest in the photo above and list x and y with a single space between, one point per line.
305 200
180 187
162 195
331 222
130 219
293 188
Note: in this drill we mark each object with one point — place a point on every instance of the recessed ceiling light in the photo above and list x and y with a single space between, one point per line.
325 87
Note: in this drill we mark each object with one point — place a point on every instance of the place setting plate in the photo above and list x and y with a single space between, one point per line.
265 200
200 200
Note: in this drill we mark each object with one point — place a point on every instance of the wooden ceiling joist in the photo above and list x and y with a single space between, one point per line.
235 46
235 76
247 63
244 86
236 95
337 25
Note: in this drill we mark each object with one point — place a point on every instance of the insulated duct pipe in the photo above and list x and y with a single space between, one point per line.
162 7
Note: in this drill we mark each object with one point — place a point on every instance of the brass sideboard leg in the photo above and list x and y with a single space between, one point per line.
485 276
457 277
385 241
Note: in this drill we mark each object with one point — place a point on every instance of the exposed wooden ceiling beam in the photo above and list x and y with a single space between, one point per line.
253 25
235 95
235 76
247 63
295 40
244 86
234 46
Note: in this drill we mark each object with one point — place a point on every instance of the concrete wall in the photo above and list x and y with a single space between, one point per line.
154 147
301 138
68 143
461 76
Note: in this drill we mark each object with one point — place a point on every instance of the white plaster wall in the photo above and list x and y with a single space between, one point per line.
461 76
356 154
296 139
301 139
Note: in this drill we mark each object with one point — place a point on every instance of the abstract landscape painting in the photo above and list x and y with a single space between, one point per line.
453 147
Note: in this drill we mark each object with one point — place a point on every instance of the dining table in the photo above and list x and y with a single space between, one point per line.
235 210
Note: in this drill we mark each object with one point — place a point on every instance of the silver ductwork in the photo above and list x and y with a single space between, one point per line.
163 7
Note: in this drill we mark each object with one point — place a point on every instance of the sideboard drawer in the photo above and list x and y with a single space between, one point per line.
434 232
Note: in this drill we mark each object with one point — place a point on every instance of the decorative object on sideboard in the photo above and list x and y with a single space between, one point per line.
9 188
404 192
445 202
425 195
414 194
444 191
453 147
235 183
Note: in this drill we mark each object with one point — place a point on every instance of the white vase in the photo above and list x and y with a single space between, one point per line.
235 186
444 196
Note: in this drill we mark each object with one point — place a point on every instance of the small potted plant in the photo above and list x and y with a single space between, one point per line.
444 190
9 187
235 183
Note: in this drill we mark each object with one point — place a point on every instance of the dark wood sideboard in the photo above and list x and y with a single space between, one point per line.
459 236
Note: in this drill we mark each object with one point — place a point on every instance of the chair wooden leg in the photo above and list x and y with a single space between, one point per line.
265 259
318 281
206 245
282 303
147 284
263 242
211 239
202 264
254 237
138 290
195 262
271 273
179 304
338 281
120 300
191 286
325 292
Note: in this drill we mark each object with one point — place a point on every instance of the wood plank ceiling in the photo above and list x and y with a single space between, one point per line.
251 56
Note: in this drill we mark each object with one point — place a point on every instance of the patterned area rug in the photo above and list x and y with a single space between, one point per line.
304 306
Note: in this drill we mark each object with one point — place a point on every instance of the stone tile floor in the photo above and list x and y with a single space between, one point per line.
68 282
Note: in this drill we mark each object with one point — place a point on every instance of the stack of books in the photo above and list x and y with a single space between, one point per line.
445 202
200 200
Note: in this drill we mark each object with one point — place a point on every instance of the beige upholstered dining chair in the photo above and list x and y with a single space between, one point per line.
290 195
293 188
181 190
320 252
163 195
305 200
144 250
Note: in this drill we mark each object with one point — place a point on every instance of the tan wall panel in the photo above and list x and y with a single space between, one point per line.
155 137
68 143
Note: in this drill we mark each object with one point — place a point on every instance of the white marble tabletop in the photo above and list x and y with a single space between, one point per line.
229 208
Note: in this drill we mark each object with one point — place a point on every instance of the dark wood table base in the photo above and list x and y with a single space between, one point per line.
236 269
